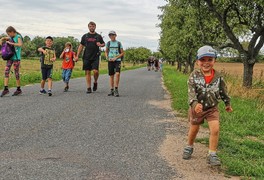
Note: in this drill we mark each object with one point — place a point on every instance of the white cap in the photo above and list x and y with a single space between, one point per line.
206 51
112 32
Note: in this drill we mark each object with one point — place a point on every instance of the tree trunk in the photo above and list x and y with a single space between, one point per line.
191 62
179 66
248 74
186 67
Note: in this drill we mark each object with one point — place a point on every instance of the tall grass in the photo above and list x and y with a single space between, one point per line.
241 145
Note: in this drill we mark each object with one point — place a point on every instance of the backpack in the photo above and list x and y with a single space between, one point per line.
8 51
119 48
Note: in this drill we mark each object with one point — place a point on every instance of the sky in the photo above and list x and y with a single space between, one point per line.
134 21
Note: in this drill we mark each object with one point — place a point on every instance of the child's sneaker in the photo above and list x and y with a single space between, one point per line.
49 93
5 92
66 89
42 92
17 92
89 91
213 160
116 93
187 152
112 93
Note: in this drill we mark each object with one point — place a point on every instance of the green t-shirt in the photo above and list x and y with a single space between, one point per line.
114 49
17 56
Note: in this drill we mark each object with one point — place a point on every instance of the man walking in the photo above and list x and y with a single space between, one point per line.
92 42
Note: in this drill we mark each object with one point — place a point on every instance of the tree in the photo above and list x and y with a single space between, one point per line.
247 16
137 55
186 25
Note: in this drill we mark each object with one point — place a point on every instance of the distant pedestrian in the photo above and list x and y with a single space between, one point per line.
14 39
150 62
206 88
160 64
114 53
48 57
68 63
156 64
92 42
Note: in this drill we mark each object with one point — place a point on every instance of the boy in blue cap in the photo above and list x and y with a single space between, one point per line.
206 87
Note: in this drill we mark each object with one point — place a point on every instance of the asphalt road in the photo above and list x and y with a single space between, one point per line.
78 136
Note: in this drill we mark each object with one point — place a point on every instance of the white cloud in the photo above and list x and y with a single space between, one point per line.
135 21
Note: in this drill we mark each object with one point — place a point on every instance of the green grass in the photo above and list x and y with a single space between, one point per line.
30 71
241 145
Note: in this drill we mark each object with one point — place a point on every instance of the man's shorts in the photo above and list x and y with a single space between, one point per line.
211 114
46 73
89 65
114 67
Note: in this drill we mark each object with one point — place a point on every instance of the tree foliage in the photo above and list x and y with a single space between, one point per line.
186 25
137 55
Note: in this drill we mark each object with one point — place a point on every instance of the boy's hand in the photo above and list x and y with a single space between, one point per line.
229 109
53 59
76 58
113 59
44 51
198 108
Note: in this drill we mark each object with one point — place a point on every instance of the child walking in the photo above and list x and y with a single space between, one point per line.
68 63
48 57
114 53
14 39
205 88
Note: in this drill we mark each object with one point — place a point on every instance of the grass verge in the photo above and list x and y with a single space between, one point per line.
241 145
30 71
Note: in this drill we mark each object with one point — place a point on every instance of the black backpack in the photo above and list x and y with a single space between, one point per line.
119 48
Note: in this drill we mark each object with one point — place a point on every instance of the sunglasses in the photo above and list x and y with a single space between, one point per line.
111 34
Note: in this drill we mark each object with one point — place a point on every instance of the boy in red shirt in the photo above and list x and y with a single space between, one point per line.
68 63
206 87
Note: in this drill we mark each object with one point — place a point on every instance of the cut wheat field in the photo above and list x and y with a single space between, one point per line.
236 69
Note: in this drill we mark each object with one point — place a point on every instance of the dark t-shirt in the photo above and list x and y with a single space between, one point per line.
91 51
46 59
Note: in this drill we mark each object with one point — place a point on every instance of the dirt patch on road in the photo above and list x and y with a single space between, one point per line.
172 147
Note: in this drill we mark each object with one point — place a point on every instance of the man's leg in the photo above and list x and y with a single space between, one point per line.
95 67
88 78
96 75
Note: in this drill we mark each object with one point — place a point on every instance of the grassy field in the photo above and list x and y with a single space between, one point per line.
241 145
30 71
